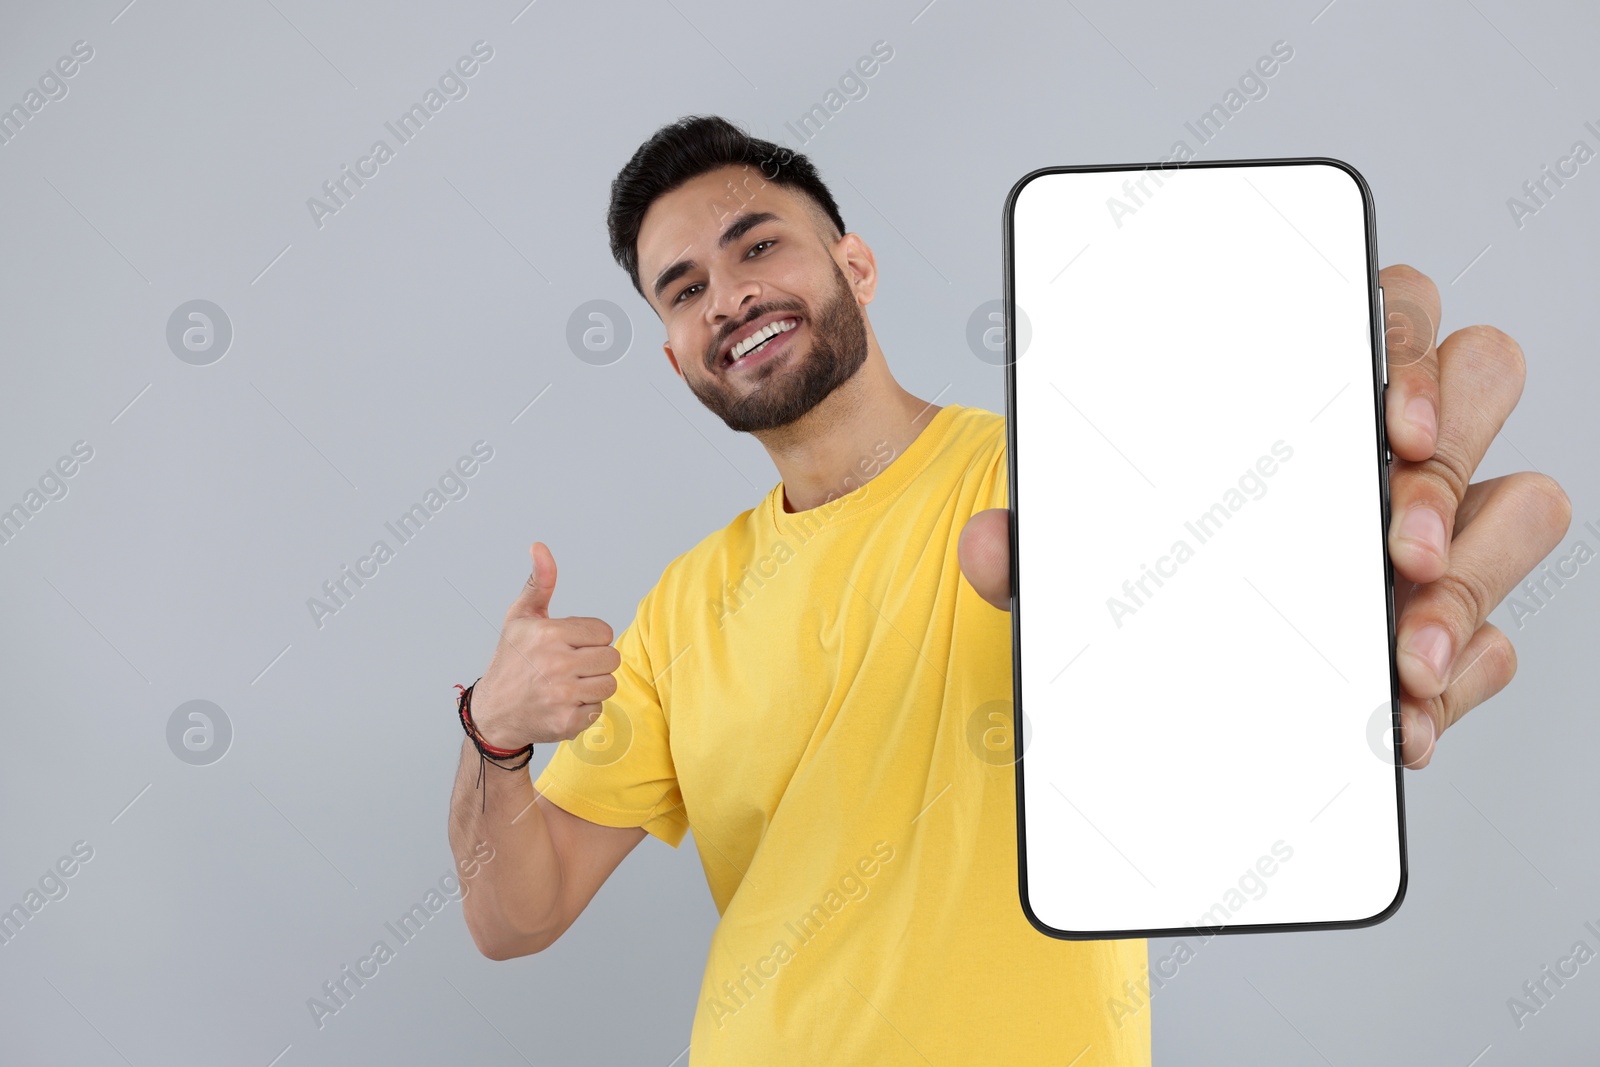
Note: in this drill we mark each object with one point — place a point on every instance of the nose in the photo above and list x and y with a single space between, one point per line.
733 307
731 299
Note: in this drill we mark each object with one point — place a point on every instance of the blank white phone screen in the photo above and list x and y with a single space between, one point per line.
1202 619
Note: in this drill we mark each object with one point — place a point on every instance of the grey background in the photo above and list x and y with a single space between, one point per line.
369 354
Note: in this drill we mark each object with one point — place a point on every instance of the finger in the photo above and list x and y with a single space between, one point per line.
1486 666
1471 503
1411 323
984 553
1481 372
583 632
1521 518
534 600
595 690
596 659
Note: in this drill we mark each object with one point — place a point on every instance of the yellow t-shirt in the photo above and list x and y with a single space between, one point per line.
815 695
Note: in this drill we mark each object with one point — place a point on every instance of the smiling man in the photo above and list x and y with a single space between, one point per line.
831 741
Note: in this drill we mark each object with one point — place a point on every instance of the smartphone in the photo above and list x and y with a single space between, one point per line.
1206 702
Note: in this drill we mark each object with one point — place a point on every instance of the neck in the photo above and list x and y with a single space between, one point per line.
848 439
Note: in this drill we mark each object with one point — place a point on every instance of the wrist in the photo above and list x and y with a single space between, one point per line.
496 740
483 729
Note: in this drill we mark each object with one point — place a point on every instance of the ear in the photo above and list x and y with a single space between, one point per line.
859 265
672 359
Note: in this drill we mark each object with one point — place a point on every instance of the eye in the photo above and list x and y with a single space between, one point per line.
753 248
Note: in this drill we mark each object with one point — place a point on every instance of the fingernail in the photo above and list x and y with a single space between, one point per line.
1424 526
1432 645
1408 724
1419 413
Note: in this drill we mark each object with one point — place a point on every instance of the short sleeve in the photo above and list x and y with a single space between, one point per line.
993 489
1000 495
619 772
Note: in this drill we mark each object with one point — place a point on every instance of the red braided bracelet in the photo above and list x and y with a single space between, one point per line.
486 751
463 705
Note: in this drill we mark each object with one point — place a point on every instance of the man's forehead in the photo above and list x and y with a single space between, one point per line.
686 222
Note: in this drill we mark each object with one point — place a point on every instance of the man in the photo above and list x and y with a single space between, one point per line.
808 688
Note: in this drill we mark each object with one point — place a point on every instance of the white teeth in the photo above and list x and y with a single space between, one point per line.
772 329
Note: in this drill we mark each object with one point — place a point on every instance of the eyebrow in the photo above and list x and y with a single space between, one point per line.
737 229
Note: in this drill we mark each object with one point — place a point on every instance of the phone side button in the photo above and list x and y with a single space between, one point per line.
1383 338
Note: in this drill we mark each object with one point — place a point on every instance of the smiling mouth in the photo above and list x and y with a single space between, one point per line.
760 341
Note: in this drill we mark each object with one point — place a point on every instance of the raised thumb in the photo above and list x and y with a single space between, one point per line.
534 602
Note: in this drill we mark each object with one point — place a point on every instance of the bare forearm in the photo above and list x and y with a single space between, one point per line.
511 902
545 681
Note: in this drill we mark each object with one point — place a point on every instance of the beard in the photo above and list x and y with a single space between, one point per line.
774 396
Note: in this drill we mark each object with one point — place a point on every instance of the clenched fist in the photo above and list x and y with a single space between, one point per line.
548 676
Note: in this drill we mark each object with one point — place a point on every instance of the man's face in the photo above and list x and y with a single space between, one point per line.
722 261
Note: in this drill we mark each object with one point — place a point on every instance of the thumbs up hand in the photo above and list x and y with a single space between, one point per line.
548 677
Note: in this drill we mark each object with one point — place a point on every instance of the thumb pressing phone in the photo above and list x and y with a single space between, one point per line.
1206 703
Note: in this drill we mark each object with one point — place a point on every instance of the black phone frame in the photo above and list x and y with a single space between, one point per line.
1380 384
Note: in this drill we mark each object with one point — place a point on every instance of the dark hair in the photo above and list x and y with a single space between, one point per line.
686 149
